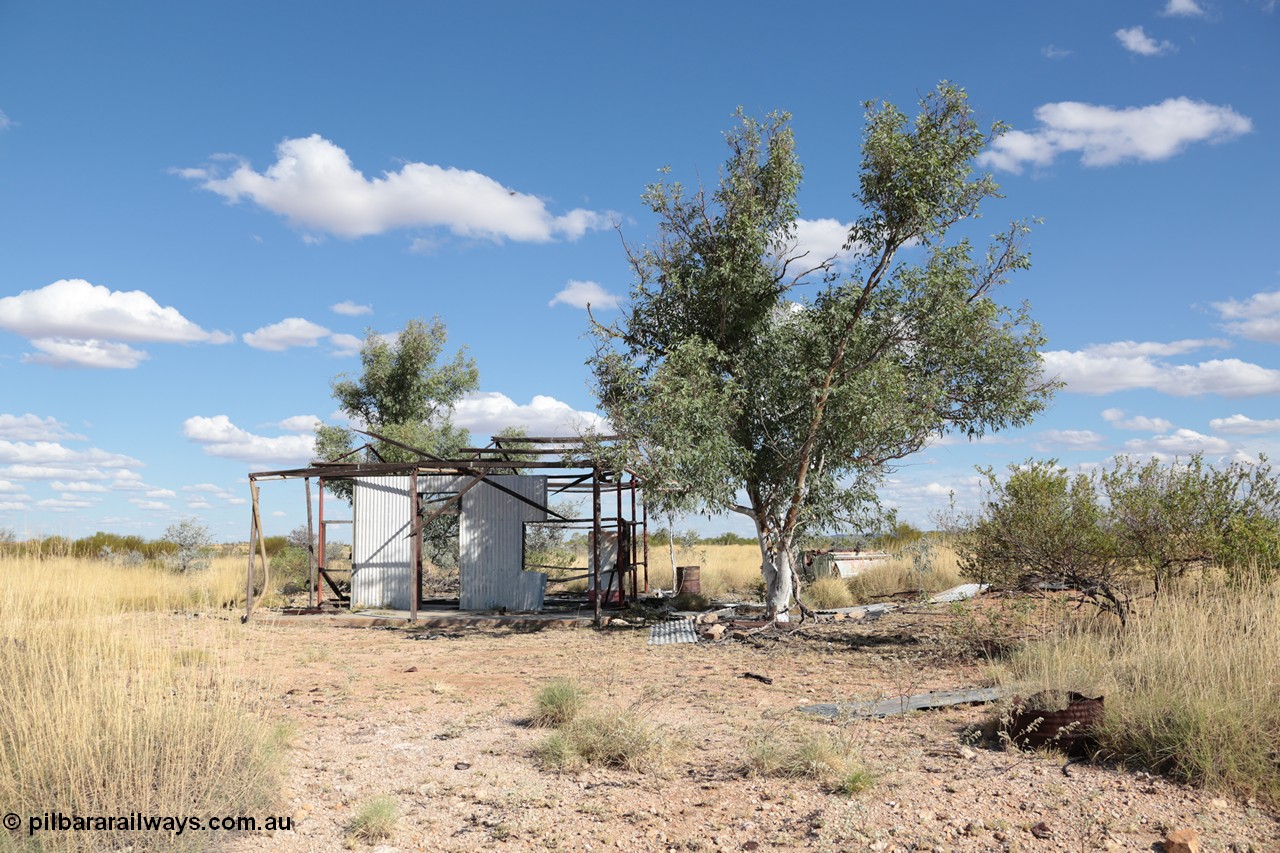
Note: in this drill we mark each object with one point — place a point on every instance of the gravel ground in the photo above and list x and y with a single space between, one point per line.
436 720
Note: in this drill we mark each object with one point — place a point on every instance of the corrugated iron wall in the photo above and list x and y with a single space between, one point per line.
491 540
381 555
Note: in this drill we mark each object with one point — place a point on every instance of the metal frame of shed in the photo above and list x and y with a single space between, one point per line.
566 463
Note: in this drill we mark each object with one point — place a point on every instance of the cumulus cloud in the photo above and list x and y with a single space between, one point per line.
487 412
1256 318
1137 423
290 332
77 324
59 352
1245 425
30 427
1136 40
51 453
23 471
345 344
153 506
1069 439
7 486
1183 8
76 486
1178 443
1157 348
299 423
220 437
1100 369
350 309
580 294
1105 136
1051 52
314 185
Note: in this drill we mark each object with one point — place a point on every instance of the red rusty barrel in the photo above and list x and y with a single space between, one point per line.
688 580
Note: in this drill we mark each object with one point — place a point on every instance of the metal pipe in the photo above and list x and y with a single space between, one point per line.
595 539
322 563
415 561
618 568
311 550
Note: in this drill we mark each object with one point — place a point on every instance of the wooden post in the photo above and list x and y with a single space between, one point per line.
321 562
253 542
313 582
595 539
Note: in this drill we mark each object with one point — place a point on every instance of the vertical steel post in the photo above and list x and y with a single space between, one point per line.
415 561
618 569
631 538
322 563
644 509
595 539
312 575
253 542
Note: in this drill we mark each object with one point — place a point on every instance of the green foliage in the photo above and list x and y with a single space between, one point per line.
621 739
1148 522
403 394
724 377
794 751
194 545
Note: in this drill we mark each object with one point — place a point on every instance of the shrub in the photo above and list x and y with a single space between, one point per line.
557 703
194 545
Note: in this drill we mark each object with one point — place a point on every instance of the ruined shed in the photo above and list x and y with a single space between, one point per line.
393 502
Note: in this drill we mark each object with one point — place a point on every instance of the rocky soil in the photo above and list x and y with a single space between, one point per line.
436 720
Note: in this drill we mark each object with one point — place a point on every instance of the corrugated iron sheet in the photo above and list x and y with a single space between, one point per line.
491 545
673 631
381 567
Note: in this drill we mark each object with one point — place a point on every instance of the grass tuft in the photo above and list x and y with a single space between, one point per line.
794 751
557 703
619 739
827 593
376 819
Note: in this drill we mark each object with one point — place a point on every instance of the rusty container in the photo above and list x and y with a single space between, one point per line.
1069 729
688 580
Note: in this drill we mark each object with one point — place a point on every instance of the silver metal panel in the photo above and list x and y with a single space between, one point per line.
675 631
381 553
491 545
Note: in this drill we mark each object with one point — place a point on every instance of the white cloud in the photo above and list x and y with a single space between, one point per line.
821 239
954 439
63 352
52 453
344 344
1087 372
1135 40
290 332
1051 52
1145 348
580 294
1137 423
30 427
63 504
1256 318
78 310
1105 135
199 503
1183 8
6 486
206 487
314 185
486 412
1069 439
1179 442
222 438
1244 425
161 493
23 471
299 423
5 121
76 486
149 505
6 506
350 309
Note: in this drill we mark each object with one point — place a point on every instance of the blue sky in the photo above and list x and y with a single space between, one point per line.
203 207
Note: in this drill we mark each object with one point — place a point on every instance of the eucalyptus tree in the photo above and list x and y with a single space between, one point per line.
404 392
744 375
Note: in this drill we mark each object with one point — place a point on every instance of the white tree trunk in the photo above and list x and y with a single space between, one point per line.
777 578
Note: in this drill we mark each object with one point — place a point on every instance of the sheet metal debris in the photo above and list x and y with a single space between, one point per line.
905 704
674 631
958 593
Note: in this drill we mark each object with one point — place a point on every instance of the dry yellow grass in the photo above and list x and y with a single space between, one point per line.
109 711
726 570
899 574
1192 685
